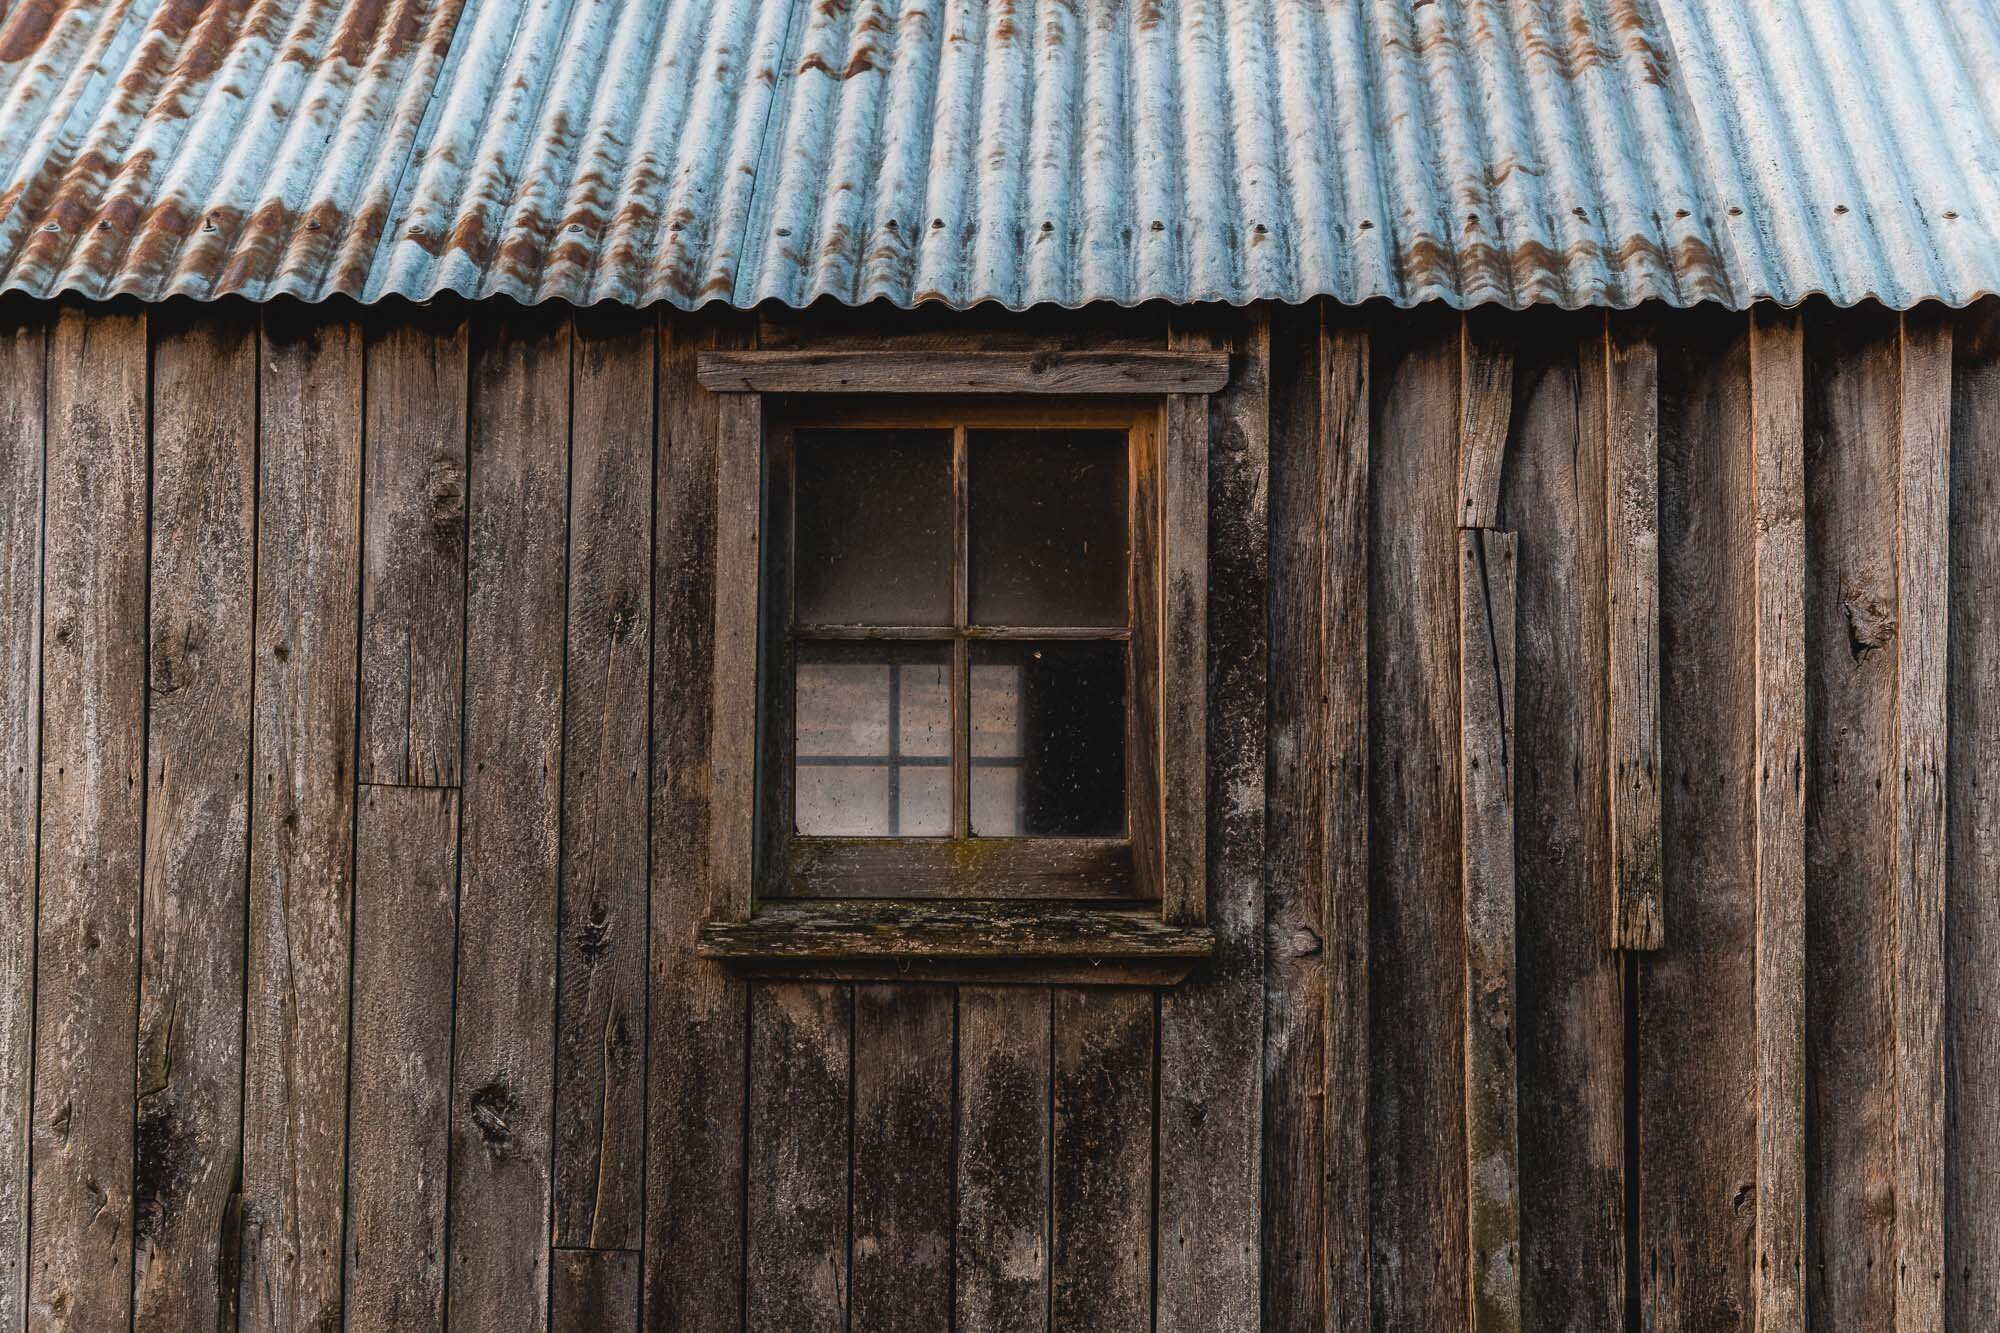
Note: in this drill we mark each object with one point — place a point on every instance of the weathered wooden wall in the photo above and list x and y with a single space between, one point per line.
353 834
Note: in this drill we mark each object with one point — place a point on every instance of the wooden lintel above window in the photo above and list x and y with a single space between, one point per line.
1037 372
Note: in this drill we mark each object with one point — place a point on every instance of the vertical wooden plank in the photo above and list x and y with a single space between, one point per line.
733 750
1486 401
1184 654
92 784
1416 956
301 818
190 1089
23 367
1777 393
504 1010
1697 1113
413 621
1632 541
1486 764
600 1142
594 1291
1002 1167
405 881
1315 1194
796 1267
1569 986
696 1023
1851 618
902 1223
1102 1162
1923 574
1972 910
1211 1029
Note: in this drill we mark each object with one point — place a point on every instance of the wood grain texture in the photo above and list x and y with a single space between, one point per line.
733 714
696 1026
413 593
1416 950
301 818
957 372
405 883
1101 1170
1777 395
972 930
23 423
1487 578
1211 1084
1486 401
1632 542
1972 912
797 1264
1923 599
1697 1148
1315 1193
92 811
1853 628
1001 1168
600 1144
1569 986
1184 661
902 1159
200 637
594 1291
504 1016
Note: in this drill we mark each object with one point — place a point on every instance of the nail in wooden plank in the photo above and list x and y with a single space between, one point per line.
301 818
902 1222
504 1009
23 364
92 783
197 819
1486 403
1486 764
1002 1166
413 623
405 883
1778 444
1923 577
1632 538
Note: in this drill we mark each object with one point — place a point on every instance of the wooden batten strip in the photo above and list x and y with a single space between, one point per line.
930 371
1486 754
1486 406
1632 537
738 503
1923 571
1184 668
1777 387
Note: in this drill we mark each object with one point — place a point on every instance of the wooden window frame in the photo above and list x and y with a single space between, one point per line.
1068 909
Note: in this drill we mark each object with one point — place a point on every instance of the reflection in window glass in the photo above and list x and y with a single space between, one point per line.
874 527
1048 739
873 739
1048 527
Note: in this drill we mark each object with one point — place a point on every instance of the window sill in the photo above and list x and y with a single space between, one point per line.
904 940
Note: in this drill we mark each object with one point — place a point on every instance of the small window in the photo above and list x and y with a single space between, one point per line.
978 687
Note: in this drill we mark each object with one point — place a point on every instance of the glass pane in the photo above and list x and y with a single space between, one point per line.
872 730
1048 527
874 527
1048 739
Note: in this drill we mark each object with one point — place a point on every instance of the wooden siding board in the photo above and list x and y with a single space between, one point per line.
1002 1156
796 1264
92 808
405 887
594 1291
1486 401
301 818
600 1145
23 422
1101 1168
902 1158
504 1015
191 996
1416 951
1210 1165
695 1080
1570 989
1972 910
413 599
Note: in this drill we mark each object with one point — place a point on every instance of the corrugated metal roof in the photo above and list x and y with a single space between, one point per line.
1571 152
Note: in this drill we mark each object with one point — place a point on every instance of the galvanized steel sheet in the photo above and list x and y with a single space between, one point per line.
1518 152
